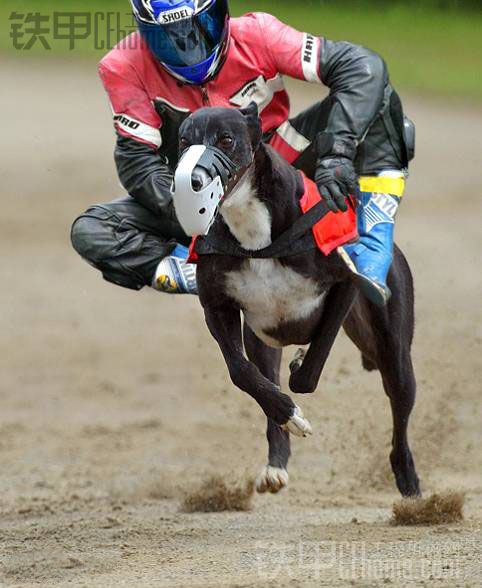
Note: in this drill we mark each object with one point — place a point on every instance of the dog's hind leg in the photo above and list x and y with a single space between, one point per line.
274 475
399 383
306 369
384 335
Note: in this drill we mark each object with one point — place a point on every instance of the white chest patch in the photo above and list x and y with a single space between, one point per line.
272 294
247 217
269 293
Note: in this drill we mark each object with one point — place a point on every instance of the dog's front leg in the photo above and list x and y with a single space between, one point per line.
224 324
306 369
274 476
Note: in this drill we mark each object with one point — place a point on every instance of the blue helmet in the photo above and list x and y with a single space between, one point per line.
189 37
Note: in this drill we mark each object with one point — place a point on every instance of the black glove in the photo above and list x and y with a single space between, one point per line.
336 179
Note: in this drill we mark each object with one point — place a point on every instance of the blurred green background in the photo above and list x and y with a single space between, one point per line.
431 47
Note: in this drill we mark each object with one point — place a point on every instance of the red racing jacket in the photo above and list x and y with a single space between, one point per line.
149 105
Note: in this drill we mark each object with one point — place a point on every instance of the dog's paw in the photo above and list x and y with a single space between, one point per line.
297 424
297 360
271 479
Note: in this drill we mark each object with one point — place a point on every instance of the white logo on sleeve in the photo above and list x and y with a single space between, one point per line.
309 58
259 90
138 129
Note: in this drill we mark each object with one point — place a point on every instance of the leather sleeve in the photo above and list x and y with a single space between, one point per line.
144 175
142 170
357 78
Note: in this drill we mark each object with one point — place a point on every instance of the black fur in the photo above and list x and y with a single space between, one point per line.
383 335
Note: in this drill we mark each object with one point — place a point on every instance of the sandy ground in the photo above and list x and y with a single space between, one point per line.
114 402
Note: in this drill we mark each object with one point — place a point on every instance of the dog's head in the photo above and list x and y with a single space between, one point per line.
216 148
237 133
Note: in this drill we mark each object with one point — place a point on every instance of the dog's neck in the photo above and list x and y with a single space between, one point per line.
265 202
248 218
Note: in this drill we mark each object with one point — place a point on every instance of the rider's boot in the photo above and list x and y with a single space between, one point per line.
174 275
371 256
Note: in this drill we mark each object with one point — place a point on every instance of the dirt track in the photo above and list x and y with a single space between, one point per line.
113 402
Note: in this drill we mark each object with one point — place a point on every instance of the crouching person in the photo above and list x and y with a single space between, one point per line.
194 55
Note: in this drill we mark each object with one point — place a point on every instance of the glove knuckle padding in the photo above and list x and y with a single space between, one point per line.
336 176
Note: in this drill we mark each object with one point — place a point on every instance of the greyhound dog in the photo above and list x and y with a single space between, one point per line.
302 298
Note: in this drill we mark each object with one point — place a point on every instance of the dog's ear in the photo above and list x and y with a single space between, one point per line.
250 113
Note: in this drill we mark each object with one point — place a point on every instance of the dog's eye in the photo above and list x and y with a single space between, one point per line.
226 142
183 143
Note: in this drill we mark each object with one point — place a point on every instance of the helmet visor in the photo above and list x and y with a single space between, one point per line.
189 40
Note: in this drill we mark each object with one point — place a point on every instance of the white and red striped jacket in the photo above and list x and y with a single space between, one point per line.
149 104
261 50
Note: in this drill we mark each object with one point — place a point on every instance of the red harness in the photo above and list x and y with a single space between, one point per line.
333 230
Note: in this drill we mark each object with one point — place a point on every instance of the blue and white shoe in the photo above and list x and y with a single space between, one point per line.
174 275
371 256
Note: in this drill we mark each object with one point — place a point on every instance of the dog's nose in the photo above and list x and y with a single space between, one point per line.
199 178
196 181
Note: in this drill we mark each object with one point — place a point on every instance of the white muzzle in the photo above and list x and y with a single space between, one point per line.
195 209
